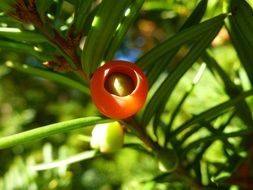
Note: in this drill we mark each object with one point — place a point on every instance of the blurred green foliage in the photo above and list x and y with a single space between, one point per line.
210 150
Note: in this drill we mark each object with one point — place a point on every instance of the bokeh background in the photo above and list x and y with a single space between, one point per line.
28 101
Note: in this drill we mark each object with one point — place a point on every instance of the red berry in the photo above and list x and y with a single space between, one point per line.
119 89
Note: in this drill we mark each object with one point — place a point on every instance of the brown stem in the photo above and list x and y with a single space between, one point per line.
82 75
26 12
180 171
142 134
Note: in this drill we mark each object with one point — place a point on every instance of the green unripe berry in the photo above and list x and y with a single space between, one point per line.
167 160
119 84
107 137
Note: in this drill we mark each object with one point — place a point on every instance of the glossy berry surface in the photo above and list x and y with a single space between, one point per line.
167 160
119 89
108 137
119 84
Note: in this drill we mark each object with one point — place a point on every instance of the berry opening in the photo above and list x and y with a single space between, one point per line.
119 84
